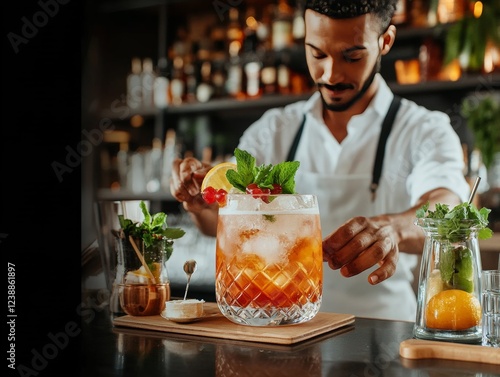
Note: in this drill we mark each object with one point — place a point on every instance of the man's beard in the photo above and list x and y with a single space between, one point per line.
364 88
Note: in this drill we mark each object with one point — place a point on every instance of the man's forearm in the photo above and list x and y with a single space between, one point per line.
410 235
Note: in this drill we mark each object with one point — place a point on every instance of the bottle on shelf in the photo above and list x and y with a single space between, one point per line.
298 26
153 161
401 13
264 28
251 62
234 71
170 152
218 37
282 25
147 83
191 78
283 75
218 78
205 89
178 83
268 74
234 30
134 86
161 84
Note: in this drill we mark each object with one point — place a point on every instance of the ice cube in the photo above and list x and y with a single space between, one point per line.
266 246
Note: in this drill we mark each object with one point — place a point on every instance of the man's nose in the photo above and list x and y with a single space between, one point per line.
330 72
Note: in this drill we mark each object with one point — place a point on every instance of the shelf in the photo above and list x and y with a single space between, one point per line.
266 101
404 33
476 82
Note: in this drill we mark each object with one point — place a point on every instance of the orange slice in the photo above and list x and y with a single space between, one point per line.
216 177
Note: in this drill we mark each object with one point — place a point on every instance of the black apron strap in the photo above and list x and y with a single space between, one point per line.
379 157
293 148
384 134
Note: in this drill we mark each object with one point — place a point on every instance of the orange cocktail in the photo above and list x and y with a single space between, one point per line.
269 261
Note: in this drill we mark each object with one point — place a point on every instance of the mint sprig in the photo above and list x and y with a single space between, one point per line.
453 223
263 175
152 228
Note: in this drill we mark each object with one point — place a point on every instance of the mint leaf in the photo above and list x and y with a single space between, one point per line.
264 176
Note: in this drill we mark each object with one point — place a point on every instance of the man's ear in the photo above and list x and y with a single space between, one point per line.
387 39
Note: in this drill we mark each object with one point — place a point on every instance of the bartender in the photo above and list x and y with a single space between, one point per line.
371 157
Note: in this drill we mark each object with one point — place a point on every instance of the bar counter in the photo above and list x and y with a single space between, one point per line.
368 347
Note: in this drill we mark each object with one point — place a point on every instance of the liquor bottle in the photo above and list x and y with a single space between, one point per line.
298 26
161 84
401 13
218 37
234 71
177 84
205 89
234 30
203 67
268 74
147 83
218 78
264 28
251 63
134 87
191 79
282 26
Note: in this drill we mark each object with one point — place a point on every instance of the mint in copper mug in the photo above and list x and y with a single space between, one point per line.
449 289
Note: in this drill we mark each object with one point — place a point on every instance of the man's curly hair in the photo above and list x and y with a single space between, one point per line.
382 9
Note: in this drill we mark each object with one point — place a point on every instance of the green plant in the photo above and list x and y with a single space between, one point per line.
482 113
152 228
467 38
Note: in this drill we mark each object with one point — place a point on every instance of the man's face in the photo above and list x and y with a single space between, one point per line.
343 56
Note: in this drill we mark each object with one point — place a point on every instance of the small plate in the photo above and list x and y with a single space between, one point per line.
182 320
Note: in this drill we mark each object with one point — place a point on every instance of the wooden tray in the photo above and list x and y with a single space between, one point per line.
215 325
430 349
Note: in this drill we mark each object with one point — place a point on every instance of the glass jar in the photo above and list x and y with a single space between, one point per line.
142 276
449 288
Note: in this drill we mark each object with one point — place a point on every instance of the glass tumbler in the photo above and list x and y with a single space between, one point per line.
449 288
269 260
144 287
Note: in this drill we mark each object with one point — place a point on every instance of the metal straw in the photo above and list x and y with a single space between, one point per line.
474 189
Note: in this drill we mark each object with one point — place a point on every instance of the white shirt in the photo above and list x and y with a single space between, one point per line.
423 153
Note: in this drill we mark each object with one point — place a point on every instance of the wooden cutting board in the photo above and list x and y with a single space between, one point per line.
215 325
430 349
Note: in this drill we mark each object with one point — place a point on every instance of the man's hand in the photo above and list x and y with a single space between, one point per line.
187 176
361 243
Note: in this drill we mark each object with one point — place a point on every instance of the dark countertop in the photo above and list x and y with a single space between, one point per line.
369 347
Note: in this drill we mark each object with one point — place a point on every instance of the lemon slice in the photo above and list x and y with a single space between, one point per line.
216 177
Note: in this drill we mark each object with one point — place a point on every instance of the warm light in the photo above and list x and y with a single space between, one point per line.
478 9
234 48
136 121
491 57
251 22
407 71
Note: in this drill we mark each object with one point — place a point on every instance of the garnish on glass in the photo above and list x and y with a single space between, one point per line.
152 228
245 176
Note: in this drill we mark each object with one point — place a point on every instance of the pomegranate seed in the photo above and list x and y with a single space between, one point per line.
220 197
277 189
208 195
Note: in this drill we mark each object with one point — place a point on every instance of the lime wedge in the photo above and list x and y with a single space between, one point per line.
463 284
447 263
463 264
